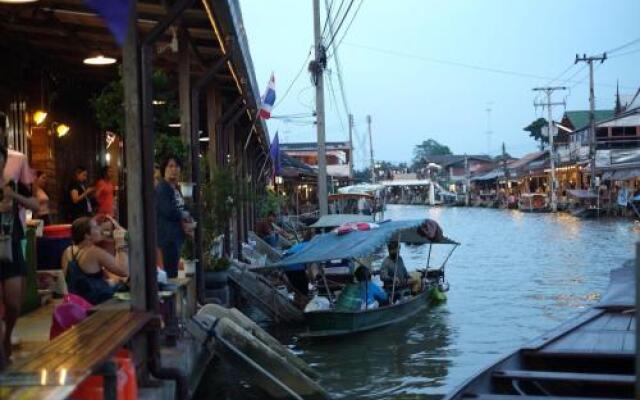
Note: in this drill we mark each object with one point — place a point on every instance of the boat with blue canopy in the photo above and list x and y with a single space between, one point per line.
357 244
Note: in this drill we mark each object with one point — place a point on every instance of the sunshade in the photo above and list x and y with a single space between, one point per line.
582 194
333 220
622 288
358 244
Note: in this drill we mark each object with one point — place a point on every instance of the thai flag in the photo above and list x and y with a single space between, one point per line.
115 14
268 99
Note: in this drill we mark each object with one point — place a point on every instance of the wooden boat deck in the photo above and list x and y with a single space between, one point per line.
590 356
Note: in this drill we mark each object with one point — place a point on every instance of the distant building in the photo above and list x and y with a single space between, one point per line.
452 167
339 156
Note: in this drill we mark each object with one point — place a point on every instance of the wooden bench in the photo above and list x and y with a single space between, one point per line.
55 370
605 379
518 397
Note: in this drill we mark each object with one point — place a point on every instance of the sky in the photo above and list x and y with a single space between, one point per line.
430 69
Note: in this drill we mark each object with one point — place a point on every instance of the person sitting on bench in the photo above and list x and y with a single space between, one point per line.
84 263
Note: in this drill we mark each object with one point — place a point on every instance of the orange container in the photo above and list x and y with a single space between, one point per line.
57 231
92 388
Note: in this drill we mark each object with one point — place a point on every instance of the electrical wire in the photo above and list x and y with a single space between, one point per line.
286 92
634 41
335 100
355 14
325 33
344 16
457 64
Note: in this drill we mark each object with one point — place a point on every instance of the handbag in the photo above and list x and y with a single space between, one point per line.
6 234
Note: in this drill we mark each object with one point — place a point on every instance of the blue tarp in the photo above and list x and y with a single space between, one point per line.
357 244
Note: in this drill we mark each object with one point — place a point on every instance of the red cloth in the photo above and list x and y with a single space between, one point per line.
104 197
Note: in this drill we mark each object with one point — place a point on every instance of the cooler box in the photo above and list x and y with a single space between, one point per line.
55 239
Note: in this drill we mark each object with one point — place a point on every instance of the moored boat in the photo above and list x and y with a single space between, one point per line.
590 356
533 202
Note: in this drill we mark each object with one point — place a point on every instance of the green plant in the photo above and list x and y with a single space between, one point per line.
110 113
188 250
218 264
269 202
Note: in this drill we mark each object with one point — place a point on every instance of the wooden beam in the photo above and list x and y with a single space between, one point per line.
184 94
134 168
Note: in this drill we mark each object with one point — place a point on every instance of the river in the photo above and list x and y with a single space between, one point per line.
515 276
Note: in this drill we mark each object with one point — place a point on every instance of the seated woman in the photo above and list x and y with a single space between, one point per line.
362 295
84 264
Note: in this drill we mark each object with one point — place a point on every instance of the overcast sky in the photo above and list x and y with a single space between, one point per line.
430 69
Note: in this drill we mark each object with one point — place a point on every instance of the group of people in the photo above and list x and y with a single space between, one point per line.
395 279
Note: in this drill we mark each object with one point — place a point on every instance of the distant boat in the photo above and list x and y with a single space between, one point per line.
590 356
533 202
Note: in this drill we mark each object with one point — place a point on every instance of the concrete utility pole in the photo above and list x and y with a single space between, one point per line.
373 170
550 131
467 181
351 146
489 131
317 70
592 117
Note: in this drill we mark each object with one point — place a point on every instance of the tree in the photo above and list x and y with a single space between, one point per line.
535 131
428 148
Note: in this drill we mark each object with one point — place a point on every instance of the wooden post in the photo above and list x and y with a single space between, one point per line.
134 184
135 181
214 110
184 94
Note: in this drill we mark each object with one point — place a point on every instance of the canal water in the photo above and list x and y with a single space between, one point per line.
515 276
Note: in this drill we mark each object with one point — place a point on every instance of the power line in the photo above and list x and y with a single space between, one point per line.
304 63
457 64
335 33
355 14
329 19
634 41
624 54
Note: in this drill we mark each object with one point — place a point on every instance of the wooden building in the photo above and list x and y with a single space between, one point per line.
201 45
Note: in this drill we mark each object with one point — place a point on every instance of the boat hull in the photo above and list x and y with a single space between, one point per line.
337 323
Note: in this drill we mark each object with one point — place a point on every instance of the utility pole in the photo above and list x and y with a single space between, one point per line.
317 67
351 146
550 131
489 131
592 118
467 181
373 170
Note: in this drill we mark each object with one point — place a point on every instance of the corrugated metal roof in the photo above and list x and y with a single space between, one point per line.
580 119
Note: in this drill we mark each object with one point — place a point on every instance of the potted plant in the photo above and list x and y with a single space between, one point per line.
188 257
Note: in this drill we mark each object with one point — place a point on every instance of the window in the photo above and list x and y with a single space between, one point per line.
617 131
629 131
602 132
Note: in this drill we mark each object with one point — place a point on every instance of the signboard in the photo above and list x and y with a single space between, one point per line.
603 158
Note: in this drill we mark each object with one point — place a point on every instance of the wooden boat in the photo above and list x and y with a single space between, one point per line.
590 356
584 204
332 323
361 244
533 202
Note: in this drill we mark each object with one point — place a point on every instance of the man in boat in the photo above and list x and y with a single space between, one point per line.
393 271
297 274
267 230
393 268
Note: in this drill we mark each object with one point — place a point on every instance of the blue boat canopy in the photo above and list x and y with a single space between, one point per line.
359 244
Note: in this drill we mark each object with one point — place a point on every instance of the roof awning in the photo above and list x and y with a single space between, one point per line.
582 194
621 174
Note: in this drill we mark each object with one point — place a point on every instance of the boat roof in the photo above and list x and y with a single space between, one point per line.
533 194
621 292
333 220
364 188
346 196
359 244
582 194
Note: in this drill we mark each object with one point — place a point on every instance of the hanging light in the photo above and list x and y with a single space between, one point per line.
174 125
17 1
39 116
99 59
61 129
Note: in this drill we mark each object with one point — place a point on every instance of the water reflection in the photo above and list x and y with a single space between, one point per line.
515 276
412 357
